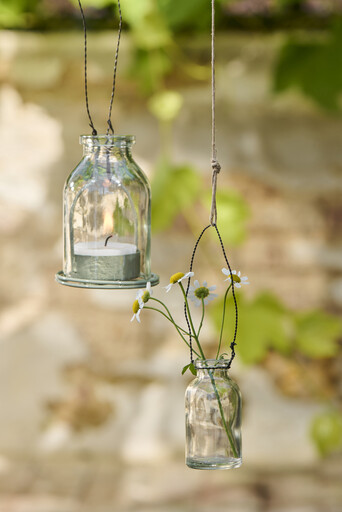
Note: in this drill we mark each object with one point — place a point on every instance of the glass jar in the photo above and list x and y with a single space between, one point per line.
107 217
213 418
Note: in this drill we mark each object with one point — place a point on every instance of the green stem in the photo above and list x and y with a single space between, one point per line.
222 323
191 322
175 325
200 326
226 427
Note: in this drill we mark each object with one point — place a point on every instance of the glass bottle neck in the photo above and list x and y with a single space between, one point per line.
208 373
101 146
211 368
107 151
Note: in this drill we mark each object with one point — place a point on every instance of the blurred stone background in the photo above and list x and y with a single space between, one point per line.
92 414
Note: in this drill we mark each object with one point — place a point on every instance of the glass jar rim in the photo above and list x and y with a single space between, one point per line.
212 364
107 140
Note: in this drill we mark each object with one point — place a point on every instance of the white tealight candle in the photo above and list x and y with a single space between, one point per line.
99 248
114 261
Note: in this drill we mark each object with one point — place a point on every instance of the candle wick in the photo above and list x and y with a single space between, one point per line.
108 237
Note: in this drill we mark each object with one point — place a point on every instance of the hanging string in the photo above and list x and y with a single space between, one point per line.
213 212
109 121
216 167
91 124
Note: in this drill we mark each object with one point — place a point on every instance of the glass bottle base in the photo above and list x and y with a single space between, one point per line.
213 462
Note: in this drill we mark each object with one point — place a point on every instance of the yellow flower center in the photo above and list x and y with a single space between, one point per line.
202 292
236 278
145 296
176 277
136 307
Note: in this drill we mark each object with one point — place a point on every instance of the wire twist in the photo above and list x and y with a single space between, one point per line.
109 120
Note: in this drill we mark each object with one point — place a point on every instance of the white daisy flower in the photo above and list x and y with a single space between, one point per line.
137 307
237 278
177 278
198 292
141 298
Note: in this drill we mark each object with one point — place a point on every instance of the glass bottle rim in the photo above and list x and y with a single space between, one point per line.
212 364
103 140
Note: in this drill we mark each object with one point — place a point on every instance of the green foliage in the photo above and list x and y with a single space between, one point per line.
181 15
166 105
326 432
313 67
174 189
317 333
14 13
265 324
190 367
96 4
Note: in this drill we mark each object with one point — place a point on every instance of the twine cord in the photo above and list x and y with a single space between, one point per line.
216 167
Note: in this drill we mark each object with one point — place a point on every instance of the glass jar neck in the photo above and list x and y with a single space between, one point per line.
211 367
118 146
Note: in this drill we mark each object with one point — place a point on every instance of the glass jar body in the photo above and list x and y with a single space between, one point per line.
107 214
213 418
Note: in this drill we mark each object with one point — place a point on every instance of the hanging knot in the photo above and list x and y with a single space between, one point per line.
110 126
216 167
94 131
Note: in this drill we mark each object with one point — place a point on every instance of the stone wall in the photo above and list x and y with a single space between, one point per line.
91 405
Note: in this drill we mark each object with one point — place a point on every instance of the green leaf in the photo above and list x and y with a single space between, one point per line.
185 368
192 369
174 189
326 432
166 105
181 15
314 67
97 4
317 334
232 212
263 324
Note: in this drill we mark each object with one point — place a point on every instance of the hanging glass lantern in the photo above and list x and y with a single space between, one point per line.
107 218
213 418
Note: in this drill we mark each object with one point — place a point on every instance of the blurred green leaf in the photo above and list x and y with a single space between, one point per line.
232 212
317 334
326 432
180 14
174 189
263 323
166 105
97 4
13 13
314 67
149 68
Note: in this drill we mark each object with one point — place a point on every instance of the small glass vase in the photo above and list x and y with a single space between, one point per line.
213 418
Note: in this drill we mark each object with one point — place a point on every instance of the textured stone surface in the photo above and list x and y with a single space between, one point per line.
91 414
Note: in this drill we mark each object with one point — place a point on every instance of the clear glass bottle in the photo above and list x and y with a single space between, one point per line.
107 217
213 418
